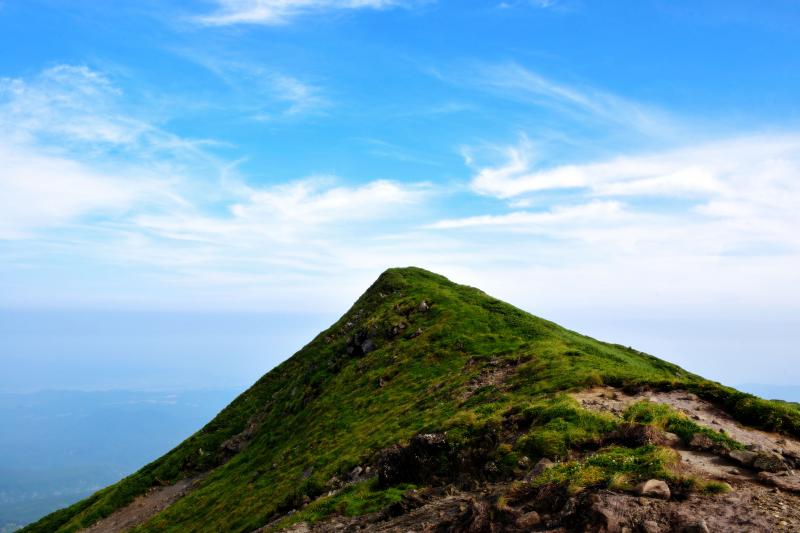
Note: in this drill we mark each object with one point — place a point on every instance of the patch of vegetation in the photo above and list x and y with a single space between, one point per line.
559 424
716 487
355 500
668 419
389 369
615 467
770 415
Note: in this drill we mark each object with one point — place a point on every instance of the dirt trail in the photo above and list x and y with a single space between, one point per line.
704 413
781 510
144 507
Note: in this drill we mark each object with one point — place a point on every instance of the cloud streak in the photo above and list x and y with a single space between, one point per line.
516 82
277 12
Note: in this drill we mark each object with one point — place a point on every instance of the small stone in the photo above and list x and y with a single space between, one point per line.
529 520
671 439
423 306
698 526
650 526
701 441
654 488
539 468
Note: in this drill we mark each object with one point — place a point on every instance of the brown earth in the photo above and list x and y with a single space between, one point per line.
144 507
758 502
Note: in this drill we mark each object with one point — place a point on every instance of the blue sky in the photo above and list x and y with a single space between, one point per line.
591 162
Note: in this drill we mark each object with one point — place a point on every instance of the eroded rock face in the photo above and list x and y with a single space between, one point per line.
422 459
431 460
784 481
769 462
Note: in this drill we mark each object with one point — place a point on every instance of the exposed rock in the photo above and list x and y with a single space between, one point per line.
743 457
694 526
367 346
701 441
654 488
671 439
355 473
360 344
789 483
769 462
240 441
423 306
302 527
420 460
416 334
651 526
529 520
539 468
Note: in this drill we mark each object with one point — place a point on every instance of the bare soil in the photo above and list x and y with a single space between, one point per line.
144 507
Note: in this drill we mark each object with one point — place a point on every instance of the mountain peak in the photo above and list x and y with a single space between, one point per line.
421 385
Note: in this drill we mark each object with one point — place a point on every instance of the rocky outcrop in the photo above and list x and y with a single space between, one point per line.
769 462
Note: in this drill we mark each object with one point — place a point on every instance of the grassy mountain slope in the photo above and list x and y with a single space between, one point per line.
415 353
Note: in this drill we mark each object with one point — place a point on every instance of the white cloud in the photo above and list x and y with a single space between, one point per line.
71 103
291 212
55 132
705 169
267 93
725 199
302 97
39 191
540 221
516 82
273 12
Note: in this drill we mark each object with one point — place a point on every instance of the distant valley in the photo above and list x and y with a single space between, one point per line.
58 447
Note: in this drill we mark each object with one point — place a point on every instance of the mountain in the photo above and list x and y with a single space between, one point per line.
431 406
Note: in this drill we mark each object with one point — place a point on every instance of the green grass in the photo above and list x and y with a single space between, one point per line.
615 467
668 419
559 424
325 410
355 500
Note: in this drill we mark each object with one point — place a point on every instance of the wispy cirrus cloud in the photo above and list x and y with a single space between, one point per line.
541 221
76 162
275 12
514 81
290 212
65 145
264 93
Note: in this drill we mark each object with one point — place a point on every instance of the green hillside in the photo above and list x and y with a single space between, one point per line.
416 353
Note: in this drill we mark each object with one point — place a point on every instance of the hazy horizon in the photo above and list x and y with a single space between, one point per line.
180 351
